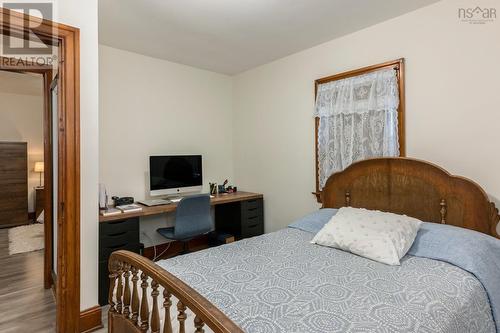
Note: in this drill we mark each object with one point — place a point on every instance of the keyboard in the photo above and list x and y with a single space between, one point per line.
155 202
160 202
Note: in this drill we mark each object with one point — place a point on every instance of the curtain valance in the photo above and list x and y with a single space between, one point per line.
374 91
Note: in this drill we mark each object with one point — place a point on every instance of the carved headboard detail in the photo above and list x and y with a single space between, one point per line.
416 188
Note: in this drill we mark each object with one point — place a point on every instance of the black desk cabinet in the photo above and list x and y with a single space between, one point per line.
113 236
242 219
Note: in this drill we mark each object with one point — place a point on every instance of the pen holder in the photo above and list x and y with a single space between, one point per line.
213 188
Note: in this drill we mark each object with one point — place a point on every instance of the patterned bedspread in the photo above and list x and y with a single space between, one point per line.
279 282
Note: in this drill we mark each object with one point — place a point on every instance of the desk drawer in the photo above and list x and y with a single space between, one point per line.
105 252
114 227
119 237
251 230
251 209
252 213
252 220
249 205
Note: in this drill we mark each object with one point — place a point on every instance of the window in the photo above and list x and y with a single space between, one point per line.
359 115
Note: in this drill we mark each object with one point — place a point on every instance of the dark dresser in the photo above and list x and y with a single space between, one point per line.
113 236
242 219
13 184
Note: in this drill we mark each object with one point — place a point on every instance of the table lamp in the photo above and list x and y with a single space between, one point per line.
39 169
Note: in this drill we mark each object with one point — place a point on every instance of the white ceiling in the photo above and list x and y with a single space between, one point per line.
21 83
231 36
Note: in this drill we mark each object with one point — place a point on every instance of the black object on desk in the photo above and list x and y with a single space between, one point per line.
123 201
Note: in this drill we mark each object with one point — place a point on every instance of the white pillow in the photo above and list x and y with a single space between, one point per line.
383 237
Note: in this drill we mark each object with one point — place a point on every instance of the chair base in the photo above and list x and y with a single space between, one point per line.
185 248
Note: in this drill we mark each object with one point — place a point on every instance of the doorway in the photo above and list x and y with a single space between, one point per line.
25 227
66 192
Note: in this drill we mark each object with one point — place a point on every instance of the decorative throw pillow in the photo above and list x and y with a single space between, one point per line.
383 237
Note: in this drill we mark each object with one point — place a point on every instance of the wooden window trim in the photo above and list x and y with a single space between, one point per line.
67 38
399 66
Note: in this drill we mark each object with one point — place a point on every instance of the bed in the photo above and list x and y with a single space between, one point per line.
279 282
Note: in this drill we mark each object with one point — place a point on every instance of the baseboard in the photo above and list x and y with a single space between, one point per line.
91 319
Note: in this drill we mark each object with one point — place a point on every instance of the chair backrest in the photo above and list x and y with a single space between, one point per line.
193 216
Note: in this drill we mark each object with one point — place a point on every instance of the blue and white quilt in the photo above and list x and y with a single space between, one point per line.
279 282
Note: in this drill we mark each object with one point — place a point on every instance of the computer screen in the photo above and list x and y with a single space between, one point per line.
175 174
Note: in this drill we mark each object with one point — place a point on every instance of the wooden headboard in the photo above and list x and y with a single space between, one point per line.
415 188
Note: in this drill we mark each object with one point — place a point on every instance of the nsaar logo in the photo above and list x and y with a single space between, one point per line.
477 15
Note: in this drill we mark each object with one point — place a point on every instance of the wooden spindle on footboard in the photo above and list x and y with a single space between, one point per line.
198 324
130 309
167 303
144 303
119 290
111 292
181 317
155 314
135 296
126 290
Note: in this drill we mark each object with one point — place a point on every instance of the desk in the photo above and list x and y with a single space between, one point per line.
240 214
218 199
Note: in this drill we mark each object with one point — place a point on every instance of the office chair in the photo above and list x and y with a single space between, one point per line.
192 219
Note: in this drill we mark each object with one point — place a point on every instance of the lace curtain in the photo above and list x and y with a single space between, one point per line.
358 119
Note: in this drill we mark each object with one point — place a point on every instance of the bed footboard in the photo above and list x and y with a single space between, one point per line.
134 292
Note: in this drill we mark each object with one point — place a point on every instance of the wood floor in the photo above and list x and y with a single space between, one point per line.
25 306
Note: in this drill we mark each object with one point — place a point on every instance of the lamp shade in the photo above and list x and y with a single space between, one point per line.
38 167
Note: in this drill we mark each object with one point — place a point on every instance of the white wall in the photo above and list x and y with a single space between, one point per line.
83 15
21 119
149 107
451 109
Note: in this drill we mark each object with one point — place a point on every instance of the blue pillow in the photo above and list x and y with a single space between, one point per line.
314 221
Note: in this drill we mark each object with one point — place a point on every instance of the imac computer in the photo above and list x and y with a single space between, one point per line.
176 174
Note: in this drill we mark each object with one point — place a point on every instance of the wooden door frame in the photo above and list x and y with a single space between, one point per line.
68 243
49 272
